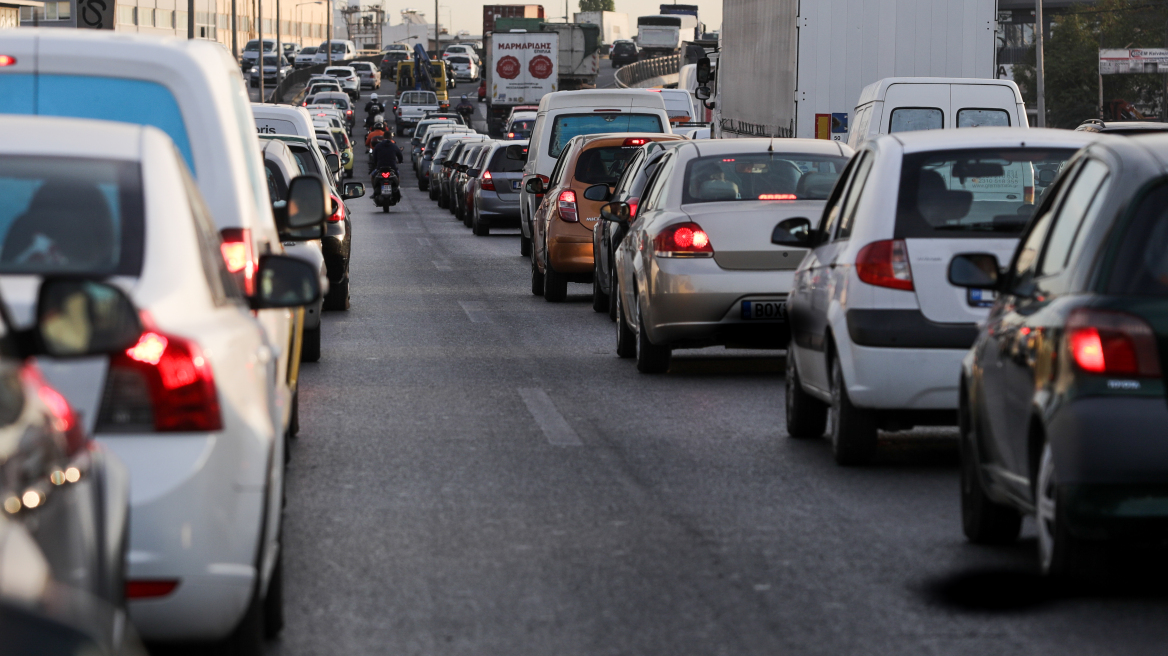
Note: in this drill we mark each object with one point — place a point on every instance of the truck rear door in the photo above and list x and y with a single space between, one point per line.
911 107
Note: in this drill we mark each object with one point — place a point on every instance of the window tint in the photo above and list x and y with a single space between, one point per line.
656 187
972 193
760 176
1027 258
911 119
273 182
834 206
222 284
603 165
1141 266
848 212
630 173
567 126
70 215
1081 202
501 164
982 118
558 171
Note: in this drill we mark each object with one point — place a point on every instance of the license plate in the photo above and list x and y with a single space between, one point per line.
515 185
752 310
385 189
981 298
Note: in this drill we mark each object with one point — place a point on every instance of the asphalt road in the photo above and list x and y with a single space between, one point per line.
478 473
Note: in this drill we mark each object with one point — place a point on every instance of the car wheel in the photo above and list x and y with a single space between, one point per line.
422 186
599 298
806 415
853 431
310 345
536 279
626 337
983 520
274 600
248 637
479 227
1060 554
555 284
651 358
613 291
385 208
467 216
433 192
338 297
524 245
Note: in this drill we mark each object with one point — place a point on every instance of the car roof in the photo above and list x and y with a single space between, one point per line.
602 97
1153 145
332 94
1096 125
49 135
799 146
589 139
929 140
878 89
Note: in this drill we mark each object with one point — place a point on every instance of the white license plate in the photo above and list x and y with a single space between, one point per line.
385 189
515 185
772 310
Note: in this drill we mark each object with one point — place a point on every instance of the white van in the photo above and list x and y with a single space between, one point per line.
342 51
906 104
566 114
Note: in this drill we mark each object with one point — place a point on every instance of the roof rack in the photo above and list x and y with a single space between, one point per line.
1096 121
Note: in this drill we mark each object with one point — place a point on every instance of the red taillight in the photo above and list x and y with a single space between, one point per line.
338 213
632 203
885 264
161 384
567 206
776 196
146 589
385 174
7 60
237 254
1112 343
636 141
510 135
348 112
488 182
683 240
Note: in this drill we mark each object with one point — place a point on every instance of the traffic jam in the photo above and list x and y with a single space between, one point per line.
221 311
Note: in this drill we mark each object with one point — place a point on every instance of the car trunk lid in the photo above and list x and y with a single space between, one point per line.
940 301
740 232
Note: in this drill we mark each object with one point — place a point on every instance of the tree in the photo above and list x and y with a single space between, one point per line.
1071 58
597 5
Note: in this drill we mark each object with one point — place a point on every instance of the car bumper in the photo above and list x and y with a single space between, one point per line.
696 303
190 520
901 378
571 253
493 206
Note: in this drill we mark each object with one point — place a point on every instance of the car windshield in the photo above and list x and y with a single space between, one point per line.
972 192
603 165
500 163
459 60
310 50
567 126
761 176
522 126
70 215
338 72
269 61
338 48
254 46
1141 266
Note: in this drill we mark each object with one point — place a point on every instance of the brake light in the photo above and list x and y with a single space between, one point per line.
683 240
632 203
146 589
338 213
488 182
237 255
385 174
885 264
1112 343
1027 195
776 196
636 141
348 112
510 135
567 206
161 384
7 60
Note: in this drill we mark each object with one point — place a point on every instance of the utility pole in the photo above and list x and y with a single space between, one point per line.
1164 99
260 59
190 19
279 48
234 33
1038 66
436 47
328 38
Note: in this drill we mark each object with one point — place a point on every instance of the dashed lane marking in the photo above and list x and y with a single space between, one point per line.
442 266
476 311
423 241
555 428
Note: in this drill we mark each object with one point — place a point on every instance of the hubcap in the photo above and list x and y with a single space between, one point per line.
1045 508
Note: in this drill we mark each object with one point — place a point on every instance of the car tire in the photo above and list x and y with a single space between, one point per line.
385 208
599 298
467 217
555 284
1060 554
613 290
310 345
853 430
433 192
479 227
422 185
983 520
338 297
806 415
626 337
524 245
536 279
274 599
651 358
248 637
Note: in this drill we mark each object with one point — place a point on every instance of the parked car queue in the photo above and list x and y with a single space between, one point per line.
1009 282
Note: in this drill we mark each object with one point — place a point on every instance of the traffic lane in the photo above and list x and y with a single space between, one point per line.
438 502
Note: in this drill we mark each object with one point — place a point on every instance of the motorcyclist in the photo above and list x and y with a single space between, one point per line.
385 155
465 108
378 133
374 103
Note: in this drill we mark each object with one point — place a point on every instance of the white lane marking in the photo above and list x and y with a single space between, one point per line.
476 311
441 266
555 428
423 241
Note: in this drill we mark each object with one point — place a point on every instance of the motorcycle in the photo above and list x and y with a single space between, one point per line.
466 112
386 188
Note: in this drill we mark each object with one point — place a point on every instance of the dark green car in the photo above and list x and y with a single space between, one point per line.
1063 410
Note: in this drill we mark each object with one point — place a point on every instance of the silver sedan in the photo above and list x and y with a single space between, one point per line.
697 267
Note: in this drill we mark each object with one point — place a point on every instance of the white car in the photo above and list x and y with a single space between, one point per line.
189 408
878 332
461 50
464 67
348 78
194 92
342 51
304 57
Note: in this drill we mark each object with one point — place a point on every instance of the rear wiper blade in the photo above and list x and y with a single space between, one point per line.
983 227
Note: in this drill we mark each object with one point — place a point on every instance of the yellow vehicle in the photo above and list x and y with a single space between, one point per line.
441 72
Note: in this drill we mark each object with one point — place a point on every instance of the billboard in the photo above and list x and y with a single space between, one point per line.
1115 61
524 66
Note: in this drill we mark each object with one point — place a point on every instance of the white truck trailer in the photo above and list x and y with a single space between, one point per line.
795 68
520 68
614 26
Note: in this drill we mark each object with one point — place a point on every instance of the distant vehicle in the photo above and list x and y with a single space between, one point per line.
460 200
1122 128
659 36
495 193
251 52
459 49
872 294
274 73
614 26
369 74
426 152
304 57
347 77
678 105
520 69
464 67
520 125
624 53
342 51
389 63
290 50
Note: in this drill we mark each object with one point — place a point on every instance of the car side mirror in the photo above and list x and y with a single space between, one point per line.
794 232
334 162
283 282
353 190
702 71
597 192
702 93
616 212
79 318
301 217
975 271
517 152
533 186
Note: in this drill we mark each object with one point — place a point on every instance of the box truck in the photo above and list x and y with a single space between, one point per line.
796 68
614 26
579 54
493 12
520 68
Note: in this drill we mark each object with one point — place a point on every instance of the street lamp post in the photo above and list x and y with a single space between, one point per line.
260 59
328 38
1038 64
297 7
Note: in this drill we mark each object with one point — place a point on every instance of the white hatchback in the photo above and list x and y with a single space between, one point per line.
878 333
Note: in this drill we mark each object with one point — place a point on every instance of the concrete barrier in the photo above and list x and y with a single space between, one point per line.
649 73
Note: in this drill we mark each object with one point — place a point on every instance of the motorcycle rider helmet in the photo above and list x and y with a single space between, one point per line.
464 96
372 97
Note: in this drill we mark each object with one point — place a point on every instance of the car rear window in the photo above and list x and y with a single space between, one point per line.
459 60
983 118
1141 266
522 126
912 119
969 193
70 215
761 176
500 163
567 126
603 165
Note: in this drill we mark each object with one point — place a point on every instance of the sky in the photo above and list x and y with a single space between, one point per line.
468 14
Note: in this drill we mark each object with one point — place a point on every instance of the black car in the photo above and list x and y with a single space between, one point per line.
624 53
607 235
389 63
1062 403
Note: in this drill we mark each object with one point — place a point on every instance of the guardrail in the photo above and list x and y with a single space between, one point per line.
647 73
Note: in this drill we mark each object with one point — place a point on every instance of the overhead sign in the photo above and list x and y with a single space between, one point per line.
95 14
1134 60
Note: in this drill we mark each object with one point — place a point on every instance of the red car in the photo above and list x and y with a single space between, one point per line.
482 90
